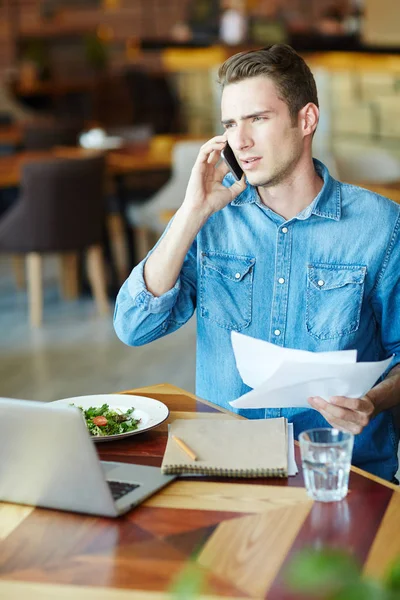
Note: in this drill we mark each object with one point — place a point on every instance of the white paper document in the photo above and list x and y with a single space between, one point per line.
286 378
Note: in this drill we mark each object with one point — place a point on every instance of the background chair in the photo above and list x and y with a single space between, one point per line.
61 210
368 165
147 218
348 160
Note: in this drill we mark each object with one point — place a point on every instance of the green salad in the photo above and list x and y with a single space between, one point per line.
102 420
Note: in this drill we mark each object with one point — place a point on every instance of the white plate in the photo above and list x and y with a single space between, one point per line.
109 143
150 412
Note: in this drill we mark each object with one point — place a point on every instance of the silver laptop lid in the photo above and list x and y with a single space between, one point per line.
48 459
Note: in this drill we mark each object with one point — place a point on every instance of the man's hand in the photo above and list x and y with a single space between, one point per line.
205 193
346 414
353 414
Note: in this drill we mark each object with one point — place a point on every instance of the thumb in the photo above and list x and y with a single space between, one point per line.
238 187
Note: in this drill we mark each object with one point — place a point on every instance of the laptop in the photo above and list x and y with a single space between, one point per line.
48 459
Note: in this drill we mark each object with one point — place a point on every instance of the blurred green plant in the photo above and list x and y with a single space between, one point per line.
189 584
327 574
335 575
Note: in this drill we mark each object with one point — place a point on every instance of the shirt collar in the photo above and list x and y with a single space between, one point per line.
326 204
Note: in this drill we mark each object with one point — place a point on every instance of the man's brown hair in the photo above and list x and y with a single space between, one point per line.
291 75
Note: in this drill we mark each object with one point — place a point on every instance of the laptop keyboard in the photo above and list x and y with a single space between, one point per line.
120 488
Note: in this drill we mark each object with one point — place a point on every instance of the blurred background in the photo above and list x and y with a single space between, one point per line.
123 92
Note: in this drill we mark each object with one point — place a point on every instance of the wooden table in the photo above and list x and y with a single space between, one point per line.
10 135
154 156
118 162
240 534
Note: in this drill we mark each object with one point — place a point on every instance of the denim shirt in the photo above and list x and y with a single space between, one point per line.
326 279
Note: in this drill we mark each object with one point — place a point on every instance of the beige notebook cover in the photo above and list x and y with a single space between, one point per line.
230 448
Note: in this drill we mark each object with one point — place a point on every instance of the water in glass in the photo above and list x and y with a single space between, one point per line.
326 461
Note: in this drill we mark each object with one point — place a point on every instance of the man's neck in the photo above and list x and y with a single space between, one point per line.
294 194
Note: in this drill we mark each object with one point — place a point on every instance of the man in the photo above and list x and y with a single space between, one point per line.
287 255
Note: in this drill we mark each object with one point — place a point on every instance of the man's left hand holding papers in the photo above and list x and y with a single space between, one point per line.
354 414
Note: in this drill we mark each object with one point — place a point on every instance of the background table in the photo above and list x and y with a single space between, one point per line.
155 155
240 533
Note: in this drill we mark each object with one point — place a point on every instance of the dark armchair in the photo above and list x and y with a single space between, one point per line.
60 209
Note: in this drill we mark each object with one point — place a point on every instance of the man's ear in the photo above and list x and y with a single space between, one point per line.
308 118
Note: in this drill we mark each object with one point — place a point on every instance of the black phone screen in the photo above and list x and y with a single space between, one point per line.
229 158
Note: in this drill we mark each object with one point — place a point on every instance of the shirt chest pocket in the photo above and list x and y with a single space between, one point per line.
334 299
226 289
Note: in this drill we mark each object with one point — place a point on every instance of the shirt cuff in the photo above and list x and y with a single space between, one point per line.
143 299
395 362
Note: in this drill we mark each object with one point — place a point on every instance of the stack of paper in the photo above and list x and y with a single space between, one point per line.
284 378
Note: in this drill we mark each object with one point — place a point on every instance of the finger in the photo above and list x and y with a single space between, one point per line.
204 154
336 412
216 143
213 158
340 417
349 409
222 169
218 138
238 187
361 405
341 424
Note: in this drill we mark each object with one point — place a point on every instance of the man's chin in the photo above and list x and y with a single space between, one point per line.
258 180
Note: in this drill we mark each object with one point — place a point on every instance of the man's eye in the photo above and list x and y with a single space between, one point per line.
228 125
258 118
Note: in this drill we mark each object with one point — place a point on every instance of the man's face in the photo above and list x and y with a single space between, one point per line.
260 131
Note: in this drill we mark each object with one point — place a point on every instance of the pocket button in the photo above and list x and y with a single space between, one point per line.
237 276
321 283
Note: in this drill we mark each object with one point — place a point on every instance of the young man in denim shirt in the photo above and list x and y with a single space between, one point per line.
287 254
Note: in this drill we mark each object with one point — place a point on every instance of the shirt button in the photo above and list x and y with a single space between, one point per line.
321 283
281 280
237 276
284 229
277 332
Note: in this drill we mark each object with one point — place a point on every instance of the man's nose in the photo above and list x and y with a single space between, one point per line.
242 139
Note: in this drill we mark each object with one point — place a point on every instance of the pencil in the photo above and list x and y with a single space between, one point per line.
184 447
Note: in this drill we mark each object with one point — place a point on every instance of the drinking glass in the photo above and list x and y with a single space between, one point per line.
326 459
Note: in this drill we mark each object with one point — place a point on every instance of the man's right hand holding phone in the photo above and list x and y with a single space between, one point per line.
205 193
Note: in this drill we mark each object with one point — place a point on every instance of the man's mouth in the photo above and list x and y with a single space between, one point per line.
250 163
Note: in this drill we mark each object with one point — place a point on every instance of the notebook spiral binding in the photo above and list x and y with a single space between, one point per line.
202 470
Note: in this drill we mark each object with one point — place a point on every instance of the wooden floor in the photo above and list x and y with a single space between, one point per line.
77 352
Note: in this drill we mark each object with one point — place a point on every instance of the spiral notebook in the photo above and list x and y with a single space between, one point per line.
228 447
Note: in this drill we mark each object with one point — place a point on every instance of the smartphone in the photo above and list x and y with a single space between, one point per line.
229 158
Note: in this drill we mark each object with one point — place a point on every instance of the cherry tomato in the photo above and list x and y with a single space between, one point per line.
100 421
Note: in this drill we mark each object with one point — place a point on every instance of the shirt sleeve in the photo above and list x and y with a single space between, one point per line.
140 317
386 298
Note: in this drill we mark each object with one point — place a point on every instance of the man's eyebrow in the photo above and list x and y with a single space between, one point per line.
244 117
